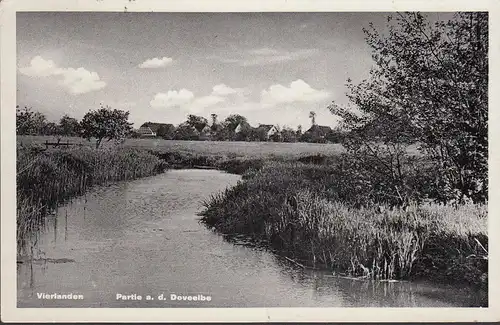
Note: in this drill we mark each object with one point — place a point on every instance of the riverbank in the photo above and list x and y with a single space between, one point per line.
300 207
46 179
298 210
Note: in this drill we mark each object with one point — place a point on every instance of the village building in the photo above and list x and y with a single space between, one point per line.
152 129
146 131
269 129
318 133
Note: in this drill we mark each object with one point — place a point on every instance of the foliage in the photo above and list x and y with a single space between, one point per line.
105 124
186 132
430 87
166 131
197 122
51 128
69 126
29 122
288 135
285 207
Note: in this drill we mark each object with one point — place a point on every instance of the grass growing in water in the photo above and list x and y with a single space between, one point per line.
298 210
46 179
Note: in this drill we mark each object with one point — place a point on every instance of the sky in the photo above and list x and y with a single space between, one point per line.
273 68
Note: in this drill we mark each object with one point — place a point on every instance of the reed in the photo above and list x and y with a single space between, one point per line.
293 209
46 179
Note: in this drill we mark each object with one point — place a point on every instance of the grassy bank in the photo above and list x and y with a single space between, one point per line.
231 149
46 179
300 211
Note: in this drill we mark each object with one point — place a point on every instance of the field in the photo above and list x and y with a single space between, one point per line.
224 148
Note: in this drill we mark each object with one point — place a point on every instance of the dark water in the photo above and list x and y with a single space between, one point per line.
143 237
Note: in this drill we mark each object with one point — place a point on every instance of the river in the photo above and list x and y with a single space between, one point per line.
143 238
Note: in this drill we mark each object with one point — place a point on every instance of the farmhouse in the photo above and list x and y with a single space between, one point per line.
317 133
146 131
156 129
269 129
319 130
240 127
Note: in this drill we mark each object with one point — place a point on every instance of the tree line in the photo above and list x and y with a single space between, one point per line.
236 127
112 124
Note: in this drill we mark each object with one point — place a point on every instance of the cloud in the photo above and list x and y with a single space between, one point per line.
265 56
172 98
80 81
156 63
199 104
185 99
76 81
223 90
40 68
298 91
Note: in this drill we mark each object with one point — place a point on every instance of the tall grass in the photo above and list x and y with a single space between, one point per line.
46 179
296 210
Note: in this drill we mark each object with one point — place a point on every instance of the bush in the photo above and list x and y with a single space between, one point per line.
284 206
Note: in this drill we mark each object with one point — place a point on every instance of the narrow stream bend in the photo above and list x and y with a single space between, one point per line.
143 238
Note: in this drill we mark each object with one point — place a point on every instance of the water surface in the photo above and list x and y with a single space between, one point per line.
143 237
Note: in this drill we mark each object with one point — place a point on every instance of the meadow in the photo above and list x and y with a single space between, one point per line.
217 148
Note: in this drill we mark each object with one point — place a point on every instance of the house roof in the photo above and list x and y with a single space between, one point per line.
155 126
145 130
266 127
320 129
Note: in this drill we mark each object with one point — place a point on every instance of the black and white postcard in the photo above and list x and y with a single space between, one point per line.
214 161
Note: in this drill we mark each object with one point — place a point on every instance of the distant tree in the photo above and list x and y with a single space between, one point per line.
429 87
29 122
105 123
257 134
299 131
197 122
134 134
335 136
288 135
69 126
185 131
166 131
233 120
51 128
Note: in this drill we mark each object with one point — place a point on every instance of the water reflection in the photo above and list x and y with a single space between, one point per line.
144 237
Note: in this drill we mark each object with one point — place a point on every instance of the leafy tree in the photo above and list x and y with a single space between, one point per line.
134 134
233 120
288 135
106 123
299 131
257 134
197 122
166 131
51 128
29 122
69 126
429 87
186 131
